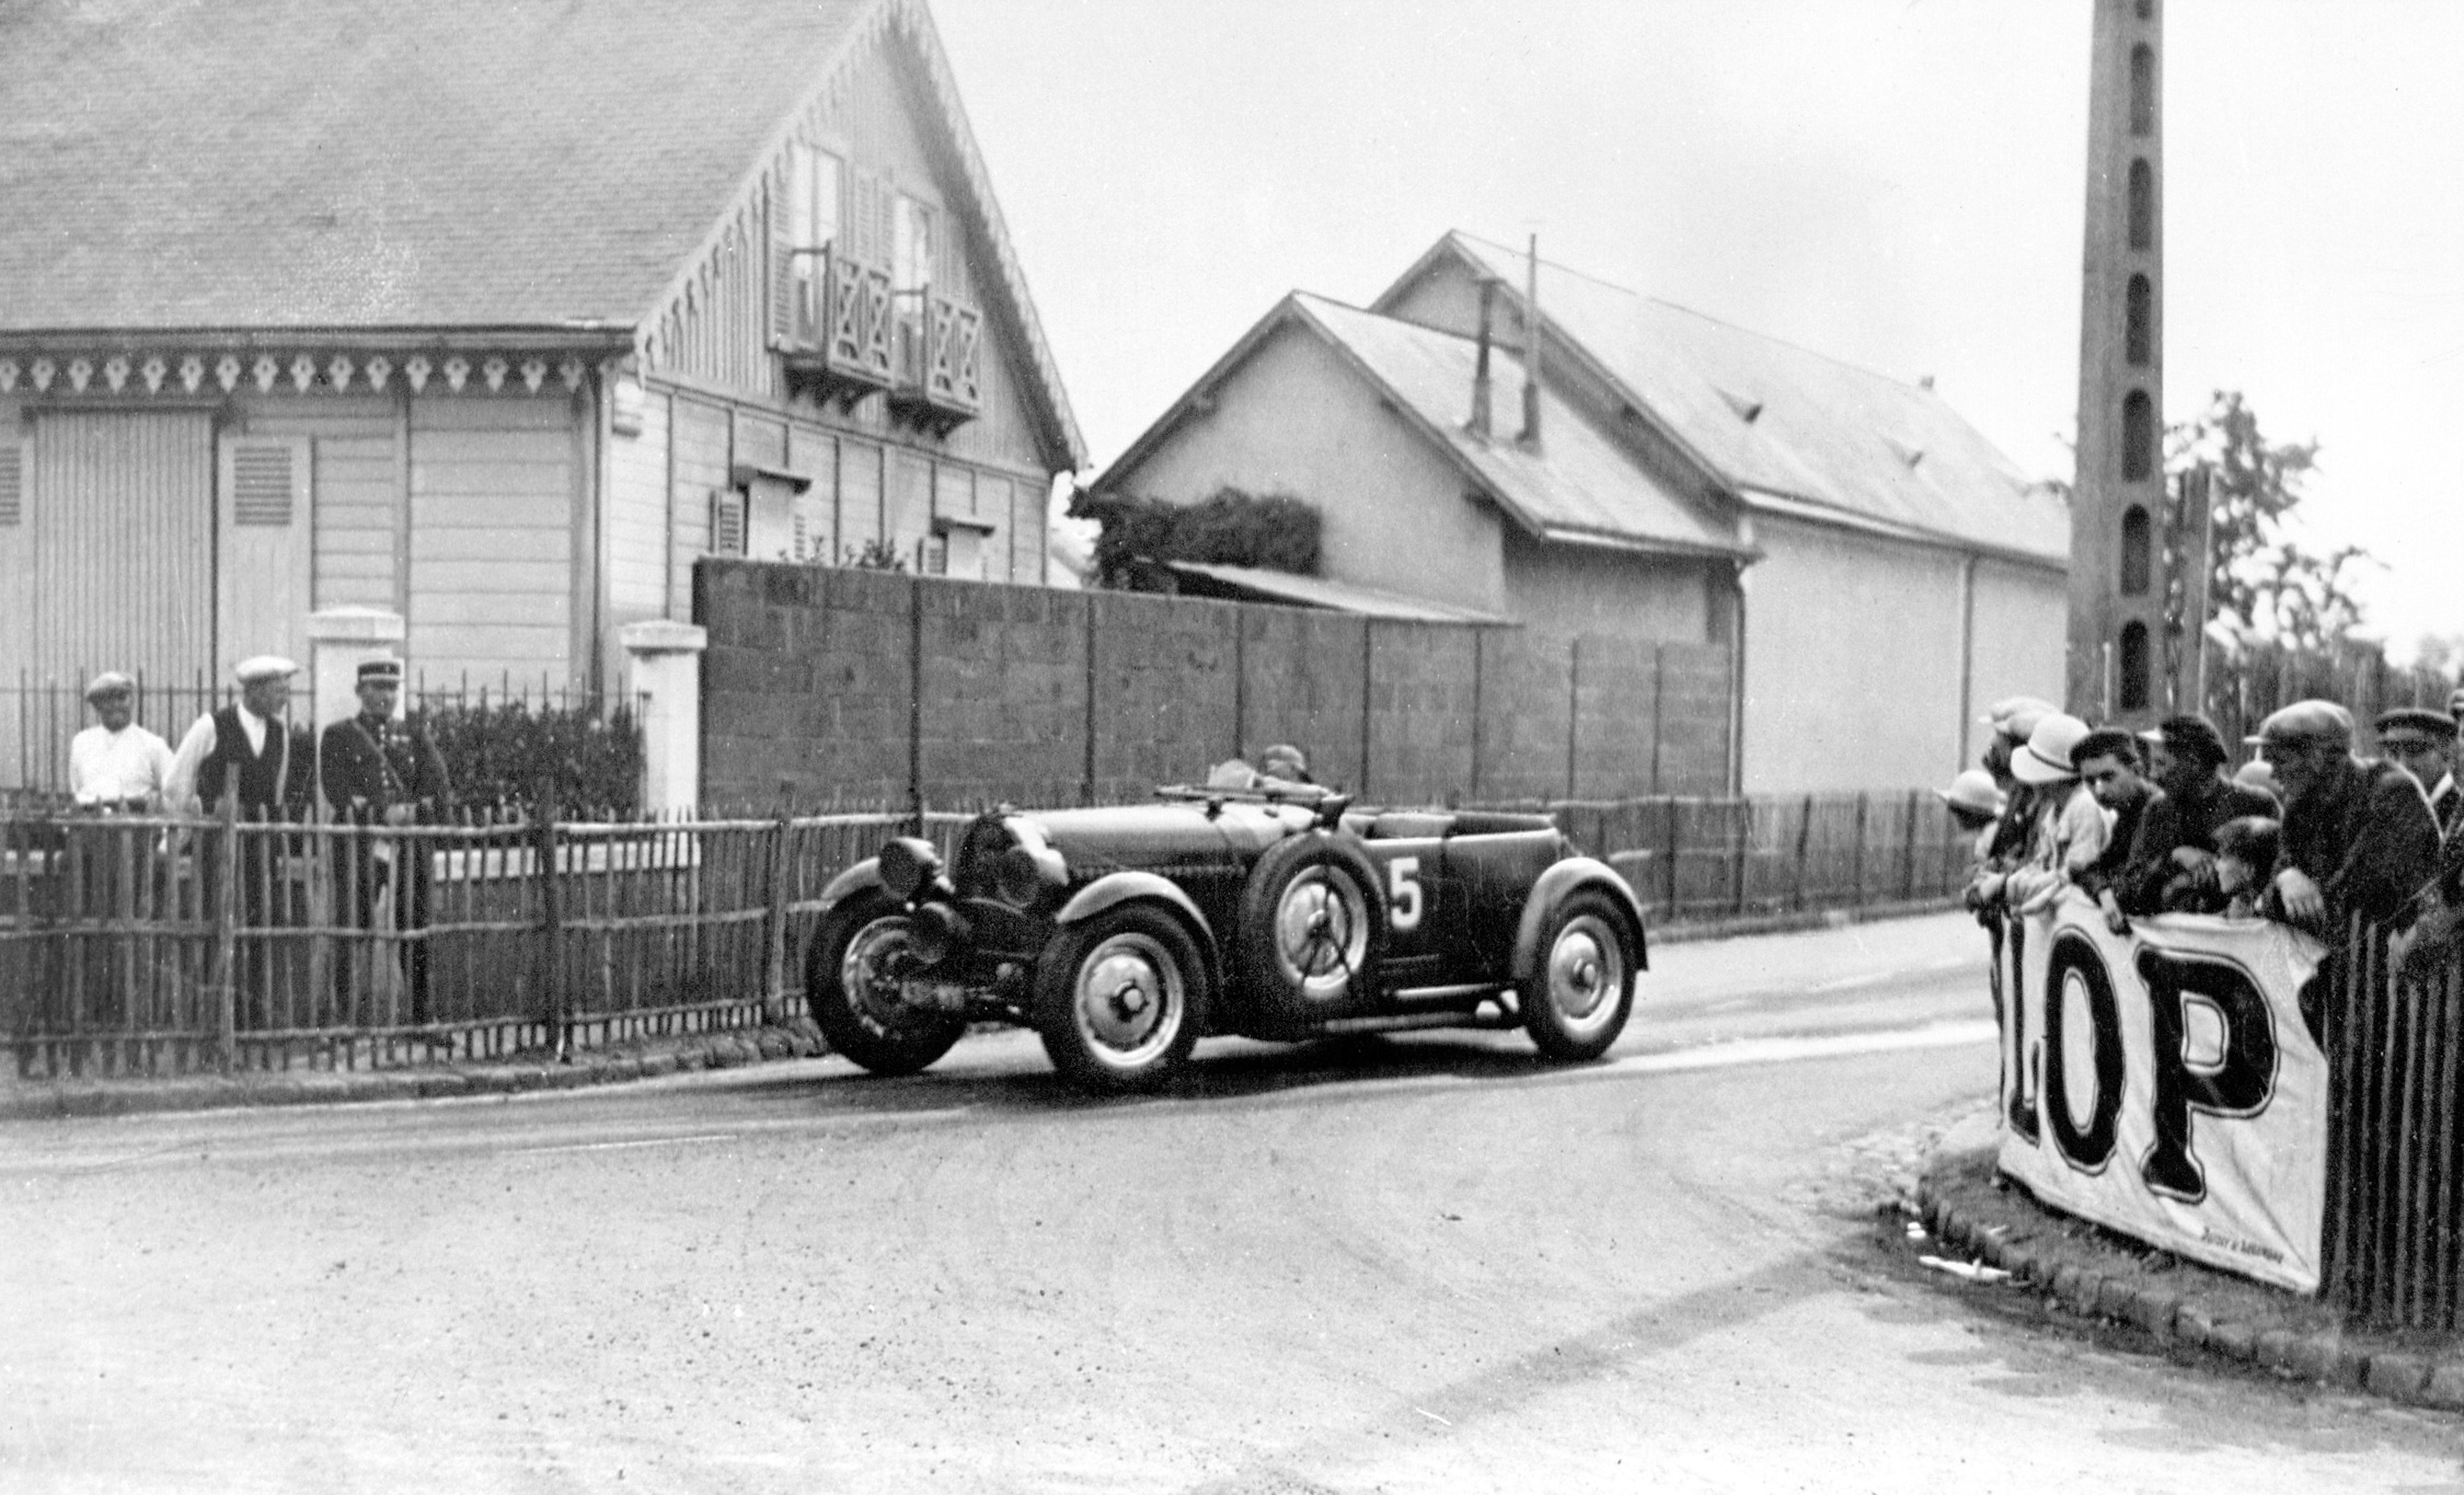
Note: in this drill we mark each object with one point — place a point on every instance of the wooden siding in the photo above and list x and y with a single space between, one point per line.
859 495
909 510
697 462
356 487
637 519
491 539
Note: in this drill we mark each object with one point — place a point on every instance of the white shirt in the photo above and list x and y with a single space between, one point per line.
131 763
180 790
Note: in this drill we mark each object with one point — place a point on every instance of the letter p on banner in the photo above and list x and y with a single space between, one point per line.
2184 1101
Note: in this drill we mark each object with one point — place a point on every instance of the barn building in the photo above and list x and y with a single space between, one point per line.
1877 571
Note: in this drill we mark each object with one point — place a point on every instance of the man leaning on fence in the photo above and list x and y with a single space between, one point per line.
116 764
248 757
2358 836
2171 866
376 773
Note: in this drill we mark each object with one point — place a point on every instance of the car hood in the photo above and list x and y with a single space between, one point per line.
1167 834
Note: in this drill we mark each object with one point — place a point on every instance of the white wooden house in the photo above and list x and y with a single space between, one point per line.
492 315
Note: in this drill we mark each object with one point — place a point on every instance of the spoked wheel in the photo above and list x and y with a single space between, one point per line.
864 949
1119 998
1577 999
1310 922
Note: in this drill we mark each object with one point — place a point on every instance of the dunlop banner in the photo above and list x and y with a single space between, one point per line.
2162 1083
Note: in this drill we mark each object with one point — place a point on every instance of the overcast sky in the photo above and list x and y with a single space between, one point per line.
1895 182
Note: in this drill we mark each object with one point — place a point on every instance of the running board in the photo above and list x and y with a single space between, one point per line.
1484 1017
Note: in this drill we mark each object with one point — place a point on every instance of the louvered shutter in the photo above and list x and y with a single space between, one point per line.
263 570
727 522
784 231
12 483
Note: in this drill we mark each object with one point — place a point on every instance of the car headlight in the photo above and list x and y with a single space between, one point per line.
908 864
1024 873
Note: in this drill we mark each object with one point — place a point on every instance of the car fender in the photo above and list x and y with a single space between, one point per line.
856 879
1118 888
1554 885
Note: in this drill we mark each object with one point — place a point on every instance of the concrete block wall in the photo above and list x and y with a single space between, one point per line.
824 684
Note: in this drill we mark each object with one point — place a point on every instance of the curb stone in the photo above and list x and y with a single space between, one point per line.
2172 1321
60 1100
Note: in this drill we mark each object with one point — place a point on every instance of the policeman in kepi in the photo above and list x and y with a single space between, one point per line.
374 771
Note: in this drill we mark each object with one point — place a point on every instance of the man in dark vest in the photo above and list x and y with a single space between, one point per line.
375 773
249 753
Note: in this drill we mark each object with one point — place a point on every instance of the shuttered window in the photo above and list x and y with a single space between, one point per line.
263 485
12 484
727 522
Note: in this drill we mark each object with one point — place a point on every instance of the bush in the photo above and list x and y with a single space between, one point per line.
511 754
1276 532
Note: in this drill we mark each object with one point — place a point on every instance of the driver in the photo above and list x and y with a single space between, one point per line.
1282 766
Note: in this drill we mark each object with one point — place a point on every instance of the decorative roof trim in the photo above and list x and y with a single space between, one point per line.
910 18
189 370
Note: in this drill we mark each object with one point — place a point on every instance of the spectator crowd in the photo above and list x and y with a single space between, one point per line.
2308 832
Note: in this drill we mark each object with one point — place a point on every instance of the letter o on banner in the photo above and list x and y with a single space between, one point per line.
2075 958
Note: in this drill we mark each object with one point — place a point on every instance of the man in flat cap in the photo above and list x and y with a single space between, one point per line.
115 764
248 749
248 754
374 772
2422 743
2358 836
2171 866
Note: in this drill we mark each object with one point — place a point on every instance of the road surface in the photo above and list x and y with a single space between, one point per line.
1423 1262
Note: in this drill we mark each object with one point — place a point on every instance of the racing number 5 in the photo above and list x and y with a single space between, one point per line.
1403 893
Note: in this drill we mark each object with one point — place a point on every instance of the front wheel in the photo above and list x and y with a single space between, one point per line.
864 947
1576 999
1119 998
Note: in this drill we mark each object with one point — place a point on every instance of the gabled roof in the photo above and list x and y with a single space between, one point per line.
336 164
1790 431
1579 486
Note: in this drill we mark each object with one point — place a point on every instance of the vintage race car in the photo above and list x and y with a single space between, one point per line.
1123 935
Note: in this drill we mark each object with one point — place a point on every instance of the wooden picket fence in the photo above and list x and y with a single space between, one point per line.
155 945
2395 1247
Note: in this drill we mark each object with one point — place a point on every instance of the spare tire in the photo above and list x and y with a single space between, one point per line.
1312 926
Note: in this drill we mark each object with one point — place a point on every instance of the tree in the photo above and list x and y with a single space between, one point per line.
2261 580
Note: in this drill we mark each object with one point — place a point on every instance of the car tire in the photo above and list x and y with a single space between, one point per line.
857 946
1120 999
1580 991
1312 926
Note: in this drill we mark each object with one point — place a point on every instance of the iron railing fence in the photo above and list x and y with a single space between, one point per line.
2394 1237
155 945
40 715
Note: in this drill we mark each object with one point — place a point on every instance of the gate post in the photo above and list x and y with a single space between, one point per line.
663 678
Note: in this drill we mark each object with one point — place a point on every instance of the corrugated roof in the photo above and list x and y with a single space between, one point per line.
1578 481
1821 431
1316 591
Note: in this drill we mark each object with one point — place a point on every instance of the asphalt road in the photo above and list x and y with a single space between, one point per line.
1423 1262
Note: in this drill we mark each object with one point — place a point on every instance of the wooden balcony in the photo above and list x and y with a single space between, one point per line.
937 360
840 327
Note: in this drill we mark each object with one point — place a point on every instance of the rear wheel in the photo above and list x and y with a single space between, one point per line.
1119 998
1576 999
864 949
